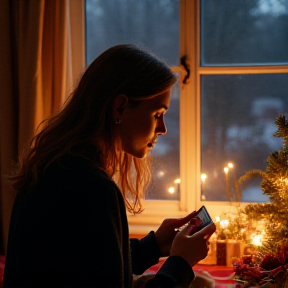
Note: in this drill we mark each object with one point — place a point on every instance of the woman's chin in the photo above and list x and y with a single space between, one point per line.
139 154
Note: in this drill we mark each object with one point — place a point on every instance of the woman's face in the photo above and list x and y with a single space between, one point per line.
142 123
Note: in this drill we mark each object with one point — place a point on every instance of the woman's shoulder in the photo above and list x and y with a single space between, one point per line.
77 164
77 172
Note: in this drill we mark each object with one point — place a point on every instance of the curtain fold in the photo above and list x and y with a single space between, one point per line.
37 71
8 116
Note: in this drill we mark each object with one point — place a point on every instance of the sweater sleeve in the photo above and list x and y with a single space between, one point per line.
144 253
174 273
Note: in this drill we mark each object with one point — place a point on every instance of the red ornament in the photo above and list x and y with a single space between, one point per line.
270 262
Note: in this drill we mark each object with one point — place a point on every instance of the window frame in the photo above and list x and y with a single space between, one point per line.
191 48
190 139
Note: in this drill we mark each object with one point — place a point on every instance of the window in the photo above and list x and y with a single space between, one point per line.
238 112
152 24
160 34
237 52
242 83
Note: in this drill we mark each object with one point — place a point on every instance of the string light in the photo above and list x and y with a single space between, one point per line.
230 165
256 239
203 177
160 173
224 223
171 190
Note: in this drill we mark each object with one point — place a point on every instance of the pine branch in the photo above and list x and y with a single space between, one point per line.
282 131
249 175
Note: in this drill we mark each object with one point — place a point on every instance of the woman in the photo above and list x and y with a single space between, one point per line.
87 164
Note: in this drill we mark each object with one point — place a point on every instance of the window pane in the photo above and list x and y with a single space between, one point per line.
244 32
152 24
155 25
238 114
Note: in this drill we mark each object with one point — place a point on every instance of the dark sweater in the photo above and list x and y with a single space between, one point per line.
72 231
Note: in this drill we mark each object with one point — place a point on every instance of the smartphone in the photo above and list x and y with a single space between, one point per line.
204 216
203 220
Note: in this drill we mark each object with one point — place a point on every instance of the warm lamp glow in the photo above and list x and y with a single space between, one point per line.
226 169
224 223
177 181
256 239
203 177
171 190
217 219
160 174
230 165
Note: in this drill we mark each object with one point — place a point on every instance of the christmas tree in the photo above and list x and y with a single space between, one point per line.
269 266
275 185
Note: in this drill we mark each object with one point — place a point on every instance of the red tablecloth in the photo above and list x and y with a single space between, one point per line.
222 275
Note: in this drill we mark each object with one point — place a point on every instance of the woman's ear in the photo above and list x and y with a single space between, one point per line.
119 105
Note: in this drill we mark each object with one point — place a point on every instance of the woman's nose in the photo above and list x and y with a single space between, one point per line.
161 128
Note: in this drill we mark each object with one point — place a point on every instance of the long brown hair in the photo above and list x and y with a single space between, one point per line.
85 121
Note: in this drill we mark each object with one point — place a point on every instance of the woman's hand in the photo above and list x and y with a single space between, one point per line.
167 231
195 247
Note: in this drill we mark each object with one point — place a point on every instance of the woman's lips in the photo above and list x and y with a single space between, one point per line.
152 144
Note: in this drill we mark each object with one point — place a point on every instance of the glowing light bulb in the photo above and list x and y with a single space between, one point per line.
224 223
171 190
177 181
256 239
160 174
230 165
217 219
203 177
226 169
